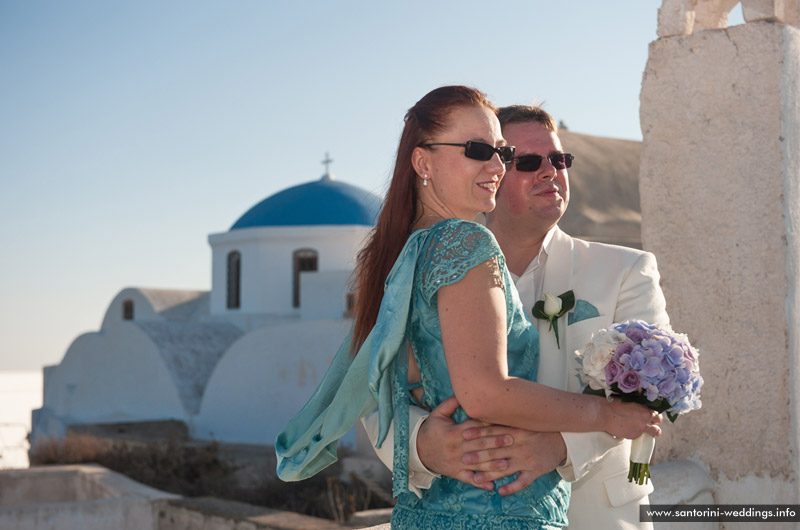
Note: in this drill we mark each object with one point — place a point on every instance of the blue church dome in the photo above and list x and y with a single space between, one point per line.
322 202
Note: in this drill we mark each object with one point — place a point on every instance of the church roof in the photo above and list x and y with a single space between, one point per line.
322 202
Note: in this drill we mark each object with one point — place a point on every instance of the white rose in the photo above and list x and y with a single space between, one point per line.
552 305
596 355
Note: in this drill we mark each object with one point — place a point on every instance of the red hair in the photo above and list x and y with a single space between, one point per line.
399 213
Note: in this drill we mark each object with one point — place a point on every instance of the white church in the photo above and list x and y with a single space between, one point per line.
234 363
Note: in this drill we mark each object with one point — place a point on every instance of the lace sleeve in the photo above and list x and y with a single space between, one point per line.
454 248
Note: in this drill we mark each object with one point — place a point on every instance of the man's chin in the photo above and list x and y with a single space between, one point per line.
552 209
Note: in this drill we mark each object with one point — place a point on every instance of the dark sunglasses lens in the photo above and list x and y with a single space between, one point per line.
559 161
478 151
534 162
507 154
529 162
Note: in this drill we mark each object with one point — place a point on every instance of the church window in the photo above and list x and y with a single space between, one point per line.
304 260
127 310
234 279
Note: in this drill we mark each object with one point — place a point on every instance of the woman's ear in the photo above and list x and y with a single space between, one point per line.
420 161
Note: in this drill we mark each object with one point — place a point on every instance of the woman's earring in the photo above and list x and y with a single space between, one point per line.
425 180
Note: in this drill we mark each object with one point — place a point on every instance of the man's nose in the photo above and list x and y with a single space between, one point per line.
547 170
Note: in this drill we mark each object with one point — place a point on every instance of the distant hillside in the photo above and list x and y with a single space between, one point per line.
604 189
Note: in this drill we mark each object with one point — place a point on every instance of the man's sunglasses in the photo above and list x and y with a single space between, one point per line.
483 152
534 162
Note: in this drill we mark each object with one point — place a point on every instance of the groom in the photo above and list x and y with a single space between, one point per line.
610 284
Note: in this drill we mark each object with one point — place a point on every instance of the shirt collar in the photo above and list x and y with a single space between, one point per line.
541 257
548 239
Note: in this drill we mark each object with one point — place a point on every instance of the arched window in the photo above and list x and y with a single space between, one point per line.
127 310
304 259
234 279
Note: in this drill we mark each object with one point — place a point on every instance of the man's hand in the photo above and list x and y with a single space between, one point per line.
532 454
477 454
441 445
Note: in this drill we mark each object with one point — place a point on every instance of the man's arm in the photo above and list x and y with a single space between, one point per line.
471 452
419 478
640 296
449 451
447 443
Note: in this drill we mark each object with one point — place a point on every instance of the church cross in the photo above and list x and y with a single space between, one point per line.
327 163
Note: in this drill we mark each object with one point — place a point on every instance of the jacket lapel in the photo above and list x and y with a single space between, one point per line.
557 280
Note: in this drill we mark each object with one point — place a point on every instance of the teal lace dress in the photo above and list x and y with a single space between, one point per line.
432 258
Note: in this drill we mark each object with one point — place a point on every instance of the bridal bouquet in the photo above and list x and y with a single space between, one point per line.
646 364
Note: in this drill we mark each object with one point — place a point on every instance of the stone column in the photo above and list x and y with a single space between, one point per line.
720 194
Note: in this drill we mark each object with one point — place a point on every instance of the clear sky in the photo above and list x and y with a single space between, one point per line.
131 130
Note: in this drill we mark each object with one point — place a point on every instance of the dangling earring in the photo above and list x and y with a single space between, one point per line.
425 180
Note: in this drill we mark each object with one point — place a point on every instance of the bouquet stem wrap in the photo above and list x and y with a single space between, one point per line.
641 452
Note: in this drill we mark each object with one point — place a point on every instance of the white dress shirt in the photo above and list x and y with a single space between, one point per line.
552 365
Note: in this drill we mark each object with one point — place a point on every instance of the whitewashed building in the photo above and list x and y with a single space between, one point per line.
234 363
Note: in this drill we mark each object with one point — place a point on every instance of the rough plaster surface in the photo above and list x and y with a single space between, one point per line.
741 491
790 130
88 497
190 351
785 11
714 165
684 17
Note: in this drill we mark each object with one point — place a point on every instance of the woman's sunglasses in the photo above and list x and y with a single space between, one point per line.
534 162
483 152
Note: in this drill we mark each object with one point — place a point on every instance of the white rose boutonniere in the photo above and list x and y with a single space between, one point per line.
552 308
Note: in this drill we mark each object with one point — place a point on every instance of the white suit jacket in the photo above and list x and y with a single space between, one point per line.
622 284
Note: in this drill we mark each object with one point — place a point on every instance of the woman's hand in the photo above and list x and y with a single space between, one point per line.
630 420
478 454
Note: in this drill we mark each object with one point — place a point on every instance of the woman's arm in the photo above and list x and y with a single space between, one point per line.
472 313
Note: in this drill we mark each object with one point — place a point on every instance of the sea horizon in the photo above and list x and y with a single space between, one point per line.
20 394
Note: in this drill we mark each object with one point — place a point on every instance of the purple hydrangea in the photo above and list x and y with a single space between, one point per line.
655 363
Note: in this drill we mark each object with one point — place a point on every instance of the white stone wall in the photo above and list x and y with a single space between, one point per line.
323 295
264 379
266 273
142 308
790 154
86 497
720 199
116 375
158 305
684 17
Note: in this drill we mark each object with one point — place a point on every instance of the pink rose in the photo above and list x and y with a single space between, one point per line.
629 382
613 370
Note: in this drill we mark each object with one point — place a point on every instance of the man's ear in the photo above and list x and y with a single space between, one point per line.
420 161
